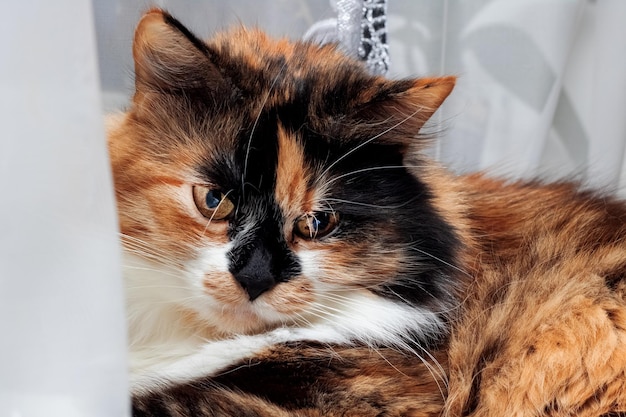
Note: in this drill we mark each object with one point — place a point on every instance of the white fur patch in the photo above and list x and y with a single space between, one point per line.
156 295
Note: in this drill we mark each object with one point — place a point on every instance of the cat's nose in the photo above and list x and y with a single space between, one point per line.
256 276
255 284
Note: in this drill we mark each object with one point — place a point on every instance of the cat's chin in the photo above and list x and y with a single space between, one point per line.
240 319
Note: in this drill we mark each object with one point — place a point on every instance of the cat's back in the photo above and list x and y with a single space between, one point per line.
544 323
530 222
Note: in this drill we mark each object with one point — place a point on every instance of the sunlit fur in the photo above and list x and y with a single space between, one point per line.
435 295
543 328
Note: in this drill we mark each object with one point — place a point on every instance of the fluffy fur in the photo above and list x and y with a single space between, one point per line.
289 251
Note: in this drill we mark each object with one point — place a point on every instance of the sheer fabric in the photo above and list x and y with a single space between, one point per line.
62 327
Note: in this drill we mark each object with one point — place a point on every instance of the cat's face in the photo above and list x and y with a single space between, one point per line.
264 182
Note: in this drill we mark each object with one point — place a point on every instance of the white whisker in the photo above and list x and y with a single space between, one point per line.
362 144
256 121
440 260
356 203
360 171
215 212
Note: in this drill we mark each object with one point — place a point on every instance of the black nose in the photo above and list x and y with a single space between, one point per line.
256 275
255 285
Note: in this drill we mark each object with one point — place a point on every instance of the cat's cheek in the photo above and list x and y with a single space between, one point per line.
209 275
290 298
311 262
221 287
330 266
350 264
211 258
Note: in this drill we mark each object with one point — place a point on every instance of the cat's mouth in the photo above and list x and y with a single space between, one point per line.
281 303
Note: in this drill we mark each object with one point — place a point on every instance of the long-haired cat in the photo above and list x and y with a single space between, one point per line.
289 251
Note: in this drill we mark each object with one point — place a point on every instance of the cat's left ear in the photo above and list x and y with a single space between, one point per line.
168 57
395 111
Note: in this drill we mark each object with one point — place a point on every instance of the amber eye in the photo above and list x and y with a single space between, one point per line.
212 203
316 225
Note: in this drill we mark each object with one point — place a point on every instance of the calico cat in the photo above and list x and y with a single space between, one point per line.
290 251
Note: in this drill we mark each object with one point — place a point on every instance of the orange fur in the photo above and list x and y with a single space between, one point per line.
292 188
540 332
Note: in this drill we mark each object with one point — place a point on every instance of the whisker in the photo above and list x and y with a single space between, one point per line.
256 121
438 374
142 287
435 368
362 144
360 171
356 203
441 260
215 212
167 302
140 268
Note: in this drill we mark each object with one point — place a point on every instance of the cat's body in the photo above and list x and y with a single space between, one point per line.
543 328
289 251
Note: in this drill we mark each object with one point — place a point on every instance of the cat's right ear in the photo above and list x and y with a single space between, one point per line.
169 58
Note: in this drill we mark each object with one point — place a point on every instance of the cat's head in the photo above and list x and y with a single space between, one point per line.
266 182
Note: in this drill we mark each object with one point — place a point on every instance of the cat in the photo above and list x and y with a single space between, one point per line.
290 250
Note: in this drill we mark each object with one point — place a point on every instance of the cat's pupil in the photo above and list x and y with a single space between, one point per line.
213 199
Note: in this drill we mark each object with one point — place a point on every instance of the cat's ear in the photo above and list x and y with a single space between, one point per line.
395 111
168 57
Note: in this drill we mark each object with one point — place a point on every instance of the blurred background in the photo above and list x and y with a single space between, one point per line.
541 92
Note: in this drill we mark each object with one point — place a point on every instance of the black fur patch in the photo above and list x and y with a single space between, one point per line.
260 258
377 194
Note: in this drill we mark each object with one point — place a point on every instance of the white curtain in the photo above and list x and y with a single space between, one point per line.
542 83
62 329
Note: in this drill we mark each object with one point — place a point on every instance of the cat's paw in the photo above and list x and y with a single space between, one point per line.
218 356
320 333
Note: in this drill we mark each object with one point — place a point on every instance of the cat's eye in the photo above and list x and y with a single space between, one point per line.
316 225
212 203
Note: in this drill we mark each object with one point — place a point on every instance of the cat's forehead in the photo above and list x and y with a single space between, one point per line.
285 70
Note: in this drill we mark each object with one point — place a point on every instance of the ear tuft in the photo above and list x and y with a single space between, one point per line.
430 93
395 111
